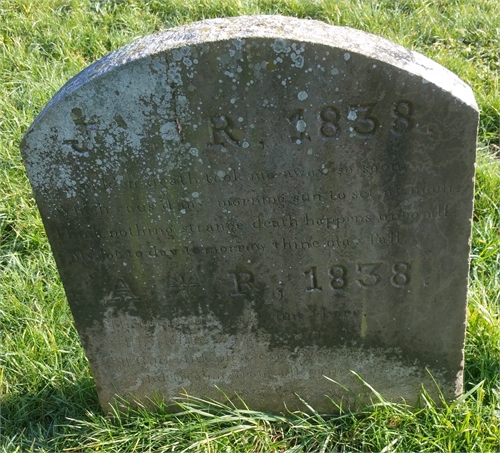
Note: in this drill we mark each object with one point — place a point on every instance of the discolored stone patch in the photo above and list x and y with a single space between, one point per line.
256 203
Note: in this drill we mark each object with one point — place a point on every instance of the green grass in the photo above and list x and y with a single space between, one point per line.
48 400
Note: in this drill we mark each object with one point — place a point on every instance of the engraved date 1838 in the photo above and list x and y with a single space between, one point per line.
366 275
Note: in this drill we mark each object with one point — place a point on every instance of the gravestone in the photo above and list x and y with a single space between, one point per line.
252 204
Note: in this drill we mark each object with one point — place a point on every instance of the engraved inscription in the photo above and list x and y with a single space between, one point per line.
313 280
403 122
330 128
222 133
368 276
365 124
85 141
183 285
244 283
362 122
368 271
401 275
121 294
338 277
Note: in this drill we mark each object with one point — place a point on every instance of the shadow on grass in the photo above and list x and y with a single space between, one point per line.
32 419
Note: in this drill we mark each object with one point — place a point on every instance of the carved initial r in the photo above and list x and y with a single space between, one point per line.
221 133
243 283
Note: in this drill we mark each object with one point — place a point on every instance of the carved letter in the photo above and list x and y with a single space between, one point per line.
243 283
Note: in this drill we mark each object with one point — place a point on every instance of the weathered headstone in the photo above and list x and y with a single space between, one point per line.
255 203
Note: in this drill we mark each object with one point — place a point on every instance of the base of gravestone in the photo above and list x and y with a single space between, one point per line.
242 370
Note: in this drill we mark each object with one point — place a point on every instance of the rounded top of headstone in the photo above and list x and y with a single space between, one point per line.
282 29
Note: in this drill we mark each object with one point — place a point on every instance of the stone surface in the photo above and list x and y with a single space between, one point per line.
256 203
